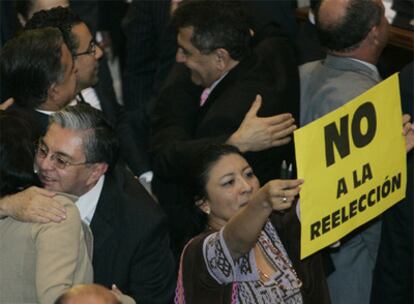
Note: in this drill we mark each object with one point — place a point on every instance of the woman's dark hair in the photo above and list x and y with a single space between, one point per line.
202 164
200 168
17 142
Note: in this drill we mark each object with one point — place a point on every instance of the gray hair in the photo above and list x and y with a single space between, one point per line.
99 140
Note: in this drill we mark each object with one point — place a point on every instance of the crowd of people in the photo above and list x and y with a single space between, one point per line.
186 193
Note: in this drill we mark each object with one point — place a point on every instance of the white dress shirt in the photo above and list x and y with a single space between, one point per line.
87 203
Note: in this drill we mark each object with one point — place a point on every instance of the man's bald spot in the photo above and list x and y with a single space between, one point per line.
332 12
90 293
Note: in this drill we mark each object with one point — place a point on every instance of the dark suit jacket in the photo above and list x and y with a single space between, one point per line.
149 55
307 42
263 12
181 129
150 51
132 148
37 121
131 246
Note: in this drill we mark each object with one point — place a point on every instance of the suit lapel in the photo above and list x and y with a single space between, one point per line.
103 220
232 76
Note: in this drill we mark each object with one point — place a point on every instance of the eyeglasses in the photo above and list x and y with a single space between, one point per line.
90 51
58 161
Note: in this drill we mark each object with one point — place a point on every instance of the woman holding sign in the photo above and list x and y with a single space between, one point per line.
239 257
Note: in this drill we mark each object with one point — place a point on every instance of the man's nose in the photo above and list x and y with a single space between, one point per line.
44 163
98 53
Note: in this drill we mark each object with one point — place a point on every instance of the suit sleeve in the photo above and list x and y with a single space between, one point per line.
58 248
173 124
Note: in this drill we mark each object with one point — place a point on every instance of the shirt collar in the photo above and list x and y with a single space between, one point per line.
215 83
311 17
87 202
45 112
367 64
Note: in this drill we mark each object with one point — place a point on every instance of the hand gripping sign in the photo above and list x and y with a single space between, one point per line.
353 161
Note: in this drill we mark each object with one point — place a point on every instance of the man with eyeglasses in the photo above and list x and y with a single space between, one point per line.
82 45
94 82
78 155
131 247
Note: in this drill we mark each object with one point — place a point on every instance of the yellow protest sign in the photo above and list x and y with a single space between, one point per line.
353 161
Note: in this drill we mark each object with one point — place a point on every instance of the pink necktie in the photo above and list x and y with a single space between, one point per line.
204 96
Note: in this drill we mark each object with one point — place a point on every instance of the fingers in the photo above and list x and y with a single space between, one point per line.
38 205
283 193
257 103
406 118
291 183
40 219
282 130
281 142
6 104
279 119
42 211
282 206
279 135
116 290
42 191
407 127
52 213
409 139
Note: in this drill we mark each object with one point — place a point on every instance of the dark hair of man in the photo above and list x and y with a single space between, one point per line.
17 143
99 140
30 63
61 17
216 24
347 33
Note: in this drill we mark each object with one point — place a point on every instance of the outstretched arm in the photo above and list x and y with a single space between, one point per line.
242 231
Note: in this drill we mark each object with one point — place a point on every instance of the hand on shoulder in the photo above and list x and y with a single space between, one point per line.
33 204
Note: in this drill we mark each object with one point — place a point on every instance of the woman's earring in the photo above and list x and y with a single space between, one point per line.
35 168
204 206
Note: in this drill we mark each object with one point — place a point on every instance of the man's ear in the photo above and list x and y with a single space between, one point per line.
53 92
98 170
373 35
222 58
